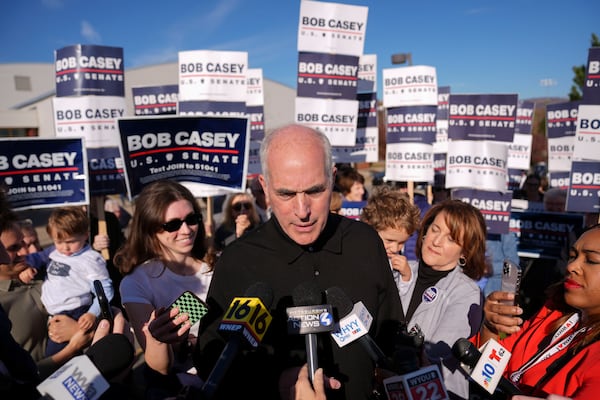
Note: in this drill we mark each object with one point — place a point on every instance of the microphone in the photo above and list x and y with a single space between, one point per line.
308 318
486 366
355 322
245 323
87 376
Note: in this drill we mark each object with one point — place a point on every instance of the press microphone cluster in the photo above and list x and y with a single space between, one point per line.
486 367
309 317
244 324
87 376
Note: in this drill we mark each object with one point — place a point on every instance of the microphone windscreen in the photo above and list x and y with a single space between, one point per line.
466 352
262 291
111 355
307 294
338 300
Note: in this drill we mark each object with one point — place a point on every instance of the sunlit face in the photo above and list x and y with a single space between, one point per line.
179 244
582 286
393 239
357 190
298 190
68 245
440 251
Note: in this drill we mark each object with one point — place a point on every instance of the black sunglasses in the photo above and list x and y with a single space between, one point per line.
238 206
174 224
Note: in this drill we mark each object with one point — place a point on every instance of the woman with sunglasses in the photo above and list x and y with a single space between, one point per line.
165 254
239 217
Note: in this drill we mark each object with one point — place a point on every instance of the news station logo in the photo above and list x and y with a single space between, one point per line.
310 319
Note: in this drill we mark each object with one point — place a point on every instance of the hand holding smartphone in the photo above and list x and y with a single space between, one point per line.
511 279
105 309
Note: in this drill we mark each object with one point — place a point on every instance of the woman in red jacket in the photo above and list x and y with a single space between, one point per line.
558 350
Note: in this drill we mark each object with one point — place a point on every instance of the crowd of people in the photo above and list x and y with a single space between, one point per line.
286 232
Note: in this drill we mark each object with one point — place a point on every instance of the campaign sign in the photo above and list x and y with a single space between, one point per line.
367 110
155 100
352 209
560 179
337 119
424 383
409 162
525 111
82 70
106 170
256 115
256 95
410 86
40 173
443 104
213 75
91 117
367 73
560 153
544 233
494 206
366 148
587 133
561 119
328 76
439 165
206 150
441 136
332 28
254 167
205 108
477 164
482 117
414 124
591 88
519 151
584 189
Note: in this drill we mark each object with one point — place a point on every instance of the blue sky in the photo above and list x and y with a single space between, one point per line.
477 46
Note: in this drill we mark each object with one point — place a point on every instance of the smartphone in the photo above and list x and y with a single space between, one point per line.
511 279
105 309
191 305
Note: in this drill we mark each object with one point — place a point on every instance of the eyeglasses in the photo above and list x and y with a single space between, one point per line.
174 224
242 204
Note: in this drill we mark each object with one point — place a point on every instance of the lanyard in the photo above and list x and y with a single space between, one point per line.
554 347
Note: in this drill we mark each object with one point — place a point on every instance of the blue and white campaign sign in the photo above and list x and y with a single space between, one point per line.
155 100
256 93
366 148
477 164
40 173
584 190
591 87
91 117
546 234
409 162
256 115
367 110
482 117
516 178
559 179
328 76
213 75
410 86
332 28
441 136
443 104
414 124
254 167
494 206
367 73
106 171
207 108
560 153
337 119
352 209
519 151
525 112
439 166
83 70
587 133
561 119
204 150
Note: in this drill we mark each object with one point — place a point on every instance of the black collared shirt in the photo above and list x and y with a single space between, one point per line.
348 254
